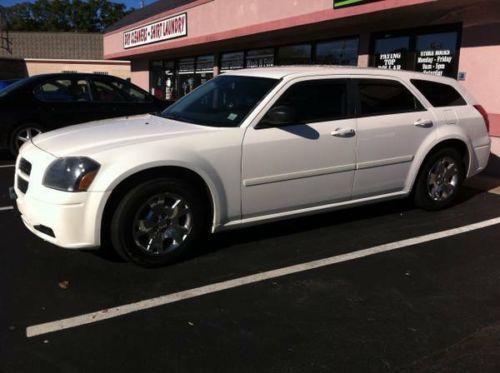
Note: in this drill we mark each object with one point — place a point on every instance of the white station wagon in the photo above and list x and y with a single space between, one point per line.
250 147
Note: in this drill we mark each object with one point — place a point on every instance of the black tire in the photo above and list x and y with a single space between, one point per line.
13 140
422 191
131 206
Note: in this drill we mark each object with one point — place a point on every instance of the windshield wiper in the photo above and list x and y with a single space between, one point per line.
170 116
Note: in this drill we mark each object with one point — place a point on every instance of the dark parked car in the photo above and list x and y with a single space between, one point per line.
46 102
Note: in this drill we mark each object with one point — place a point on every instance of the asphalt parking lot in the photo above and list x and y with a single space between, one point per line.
428 305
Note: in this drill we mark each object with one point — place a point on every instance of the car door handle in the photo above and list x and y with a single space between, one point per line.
343 132
423 123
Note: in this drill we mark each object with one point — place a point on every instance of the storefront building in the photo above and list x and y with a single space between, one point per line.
176 45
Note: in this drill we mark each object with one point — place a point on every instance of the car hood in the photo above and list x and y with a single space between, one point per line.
88 138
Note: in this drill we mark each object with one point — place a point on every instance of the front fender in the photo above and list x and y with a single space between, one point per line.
115 172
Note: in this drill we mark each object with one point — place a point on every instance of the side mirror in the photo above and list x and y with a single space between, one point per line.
280 115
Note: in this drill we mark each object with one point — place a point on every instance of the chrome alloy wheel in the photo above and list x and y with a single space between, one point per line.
443 179
162 224
25 135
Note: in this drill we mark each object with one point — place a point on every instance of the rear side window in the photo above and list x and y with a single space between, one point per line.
383 97
438 94
105 92
130 93
57 90
317 100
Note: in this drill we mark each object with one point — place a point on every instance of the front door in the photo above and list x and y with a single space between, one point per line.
306 163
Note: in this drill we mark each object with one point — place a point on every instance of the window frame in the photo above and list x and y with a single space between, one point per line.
357 96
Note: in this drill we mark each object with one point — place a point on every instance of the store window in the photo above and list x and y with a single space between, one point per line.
232 61
162 80
171 88
156 79
338 52
437 53
431 51
260 58
392 53
204 69
186 76
295 54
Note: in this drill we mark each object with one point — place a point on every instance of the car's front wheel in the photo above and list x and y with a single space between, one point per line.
158 221
440 179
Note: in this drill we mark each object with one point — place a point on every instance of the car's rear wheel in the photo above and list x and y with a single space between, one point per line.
22 135
158 221
440 179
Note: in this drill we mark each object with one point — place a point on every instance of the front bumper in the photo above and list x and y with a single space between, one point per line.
69 220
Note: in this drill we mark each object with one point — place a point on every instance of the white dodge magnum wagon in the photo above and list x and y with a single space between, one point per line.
249 147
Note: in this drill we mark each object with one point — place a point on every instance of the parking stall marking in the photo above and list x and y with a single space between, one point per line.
7 165
104 314
6 208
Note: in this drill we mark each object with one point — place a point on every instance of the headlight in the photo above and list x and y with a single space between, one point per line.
71 174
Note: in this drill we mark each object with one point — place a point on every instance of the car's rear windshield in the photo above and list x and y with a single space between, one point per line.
221 102
439 94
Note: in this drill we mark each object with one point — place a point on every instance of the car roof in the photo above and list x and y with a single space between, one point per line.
75 75
294 71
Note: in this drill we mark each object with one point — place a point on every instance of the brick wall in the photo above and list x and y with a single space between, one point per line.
57 45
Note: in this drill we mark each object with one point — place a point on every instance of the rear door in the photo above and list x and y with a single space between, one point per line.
63 101
392 124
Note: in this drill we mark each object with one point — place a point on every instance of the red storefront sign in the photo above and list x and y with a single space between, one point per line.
166 29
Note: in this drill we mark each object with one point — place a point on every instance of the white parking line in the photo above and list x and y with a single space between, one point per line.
6 208
7 165
110 313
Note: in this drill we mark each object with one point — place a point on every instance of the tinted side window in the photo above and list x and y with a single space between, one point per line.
438 94
381 97
105 92
130 93
317 101
57 90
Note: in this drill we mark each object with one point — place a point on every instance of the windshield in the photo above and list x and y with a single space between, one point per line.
11 87
221 102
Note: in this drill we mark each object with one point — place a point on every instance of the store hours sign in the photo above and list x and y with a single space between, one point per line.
435 62
166 29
